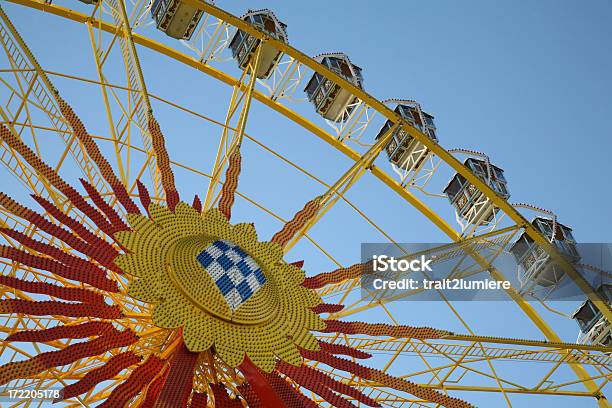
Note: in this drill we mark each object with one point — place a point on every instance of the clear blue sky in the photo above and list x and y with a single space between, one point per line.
529 83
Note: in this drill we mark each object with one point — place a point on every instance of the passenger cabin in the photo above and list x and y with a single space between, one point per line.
469 202
536 265
594 328
331 100
176 18
243 46
403 150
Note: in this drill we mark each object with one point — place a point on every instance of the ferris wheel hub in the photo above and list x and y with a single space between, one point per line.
221 285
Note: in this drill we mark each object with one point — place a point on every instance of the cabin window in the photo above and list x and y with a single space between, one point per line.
500 175
269 25
155 6
567 248
585 316
236 42
545 228
407 113
417 117
568 234
454 187
559 235
479 170
345 69
475 166
161 11
521 247
159 17
391 146
313 84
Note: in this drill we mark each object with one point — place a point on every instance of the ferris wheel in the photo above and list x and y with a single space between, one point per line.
122 288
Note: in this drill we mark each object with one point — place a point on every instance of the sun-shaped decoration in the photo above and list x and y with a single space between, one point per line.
238 323
219 283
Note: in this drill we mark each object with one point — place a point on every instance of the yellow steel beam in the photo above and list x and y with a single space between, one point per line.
343 184
530 343
107 107
239 96
127 33
450 387
384 177
435 148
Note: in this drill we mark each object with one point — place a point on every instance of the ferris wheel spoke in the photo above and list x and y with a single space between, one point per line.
43 98
86 143
495 243
338 189
109 113
238 110
337 380
137 107
427 348
377 105
268 211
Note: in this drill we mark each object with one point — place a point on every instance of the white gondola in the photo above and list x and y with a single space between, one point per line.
535 265
176 18
469 202
243 46
403 150
594 328
329 99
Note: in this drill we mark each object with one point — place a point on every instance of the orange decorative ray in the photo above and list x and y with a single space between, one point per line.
56 308
300 219
228 191
381 329
175 392
163 163
45 288
138 380
336 276
76 331
385 379
170 381
94 152
35 365
112 367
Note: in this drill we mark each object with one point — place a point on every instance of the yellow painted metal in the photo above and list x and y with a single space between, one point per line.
127 32
109 113
343 184
531 343
315 130
240 96
138 107
44 97
435 148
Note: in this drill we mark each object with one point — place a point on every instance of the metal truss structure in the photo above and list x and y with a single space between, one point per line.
118 31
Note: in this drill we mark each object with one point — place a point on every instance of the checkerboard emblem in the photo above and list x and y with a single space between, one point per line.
236 274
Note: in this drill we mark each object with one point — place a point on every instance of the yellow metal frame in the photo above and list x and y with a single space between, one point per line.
360 166
242 95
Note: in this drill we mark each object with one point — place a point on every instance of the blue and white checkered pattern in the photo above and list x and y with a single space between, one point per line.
237 275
